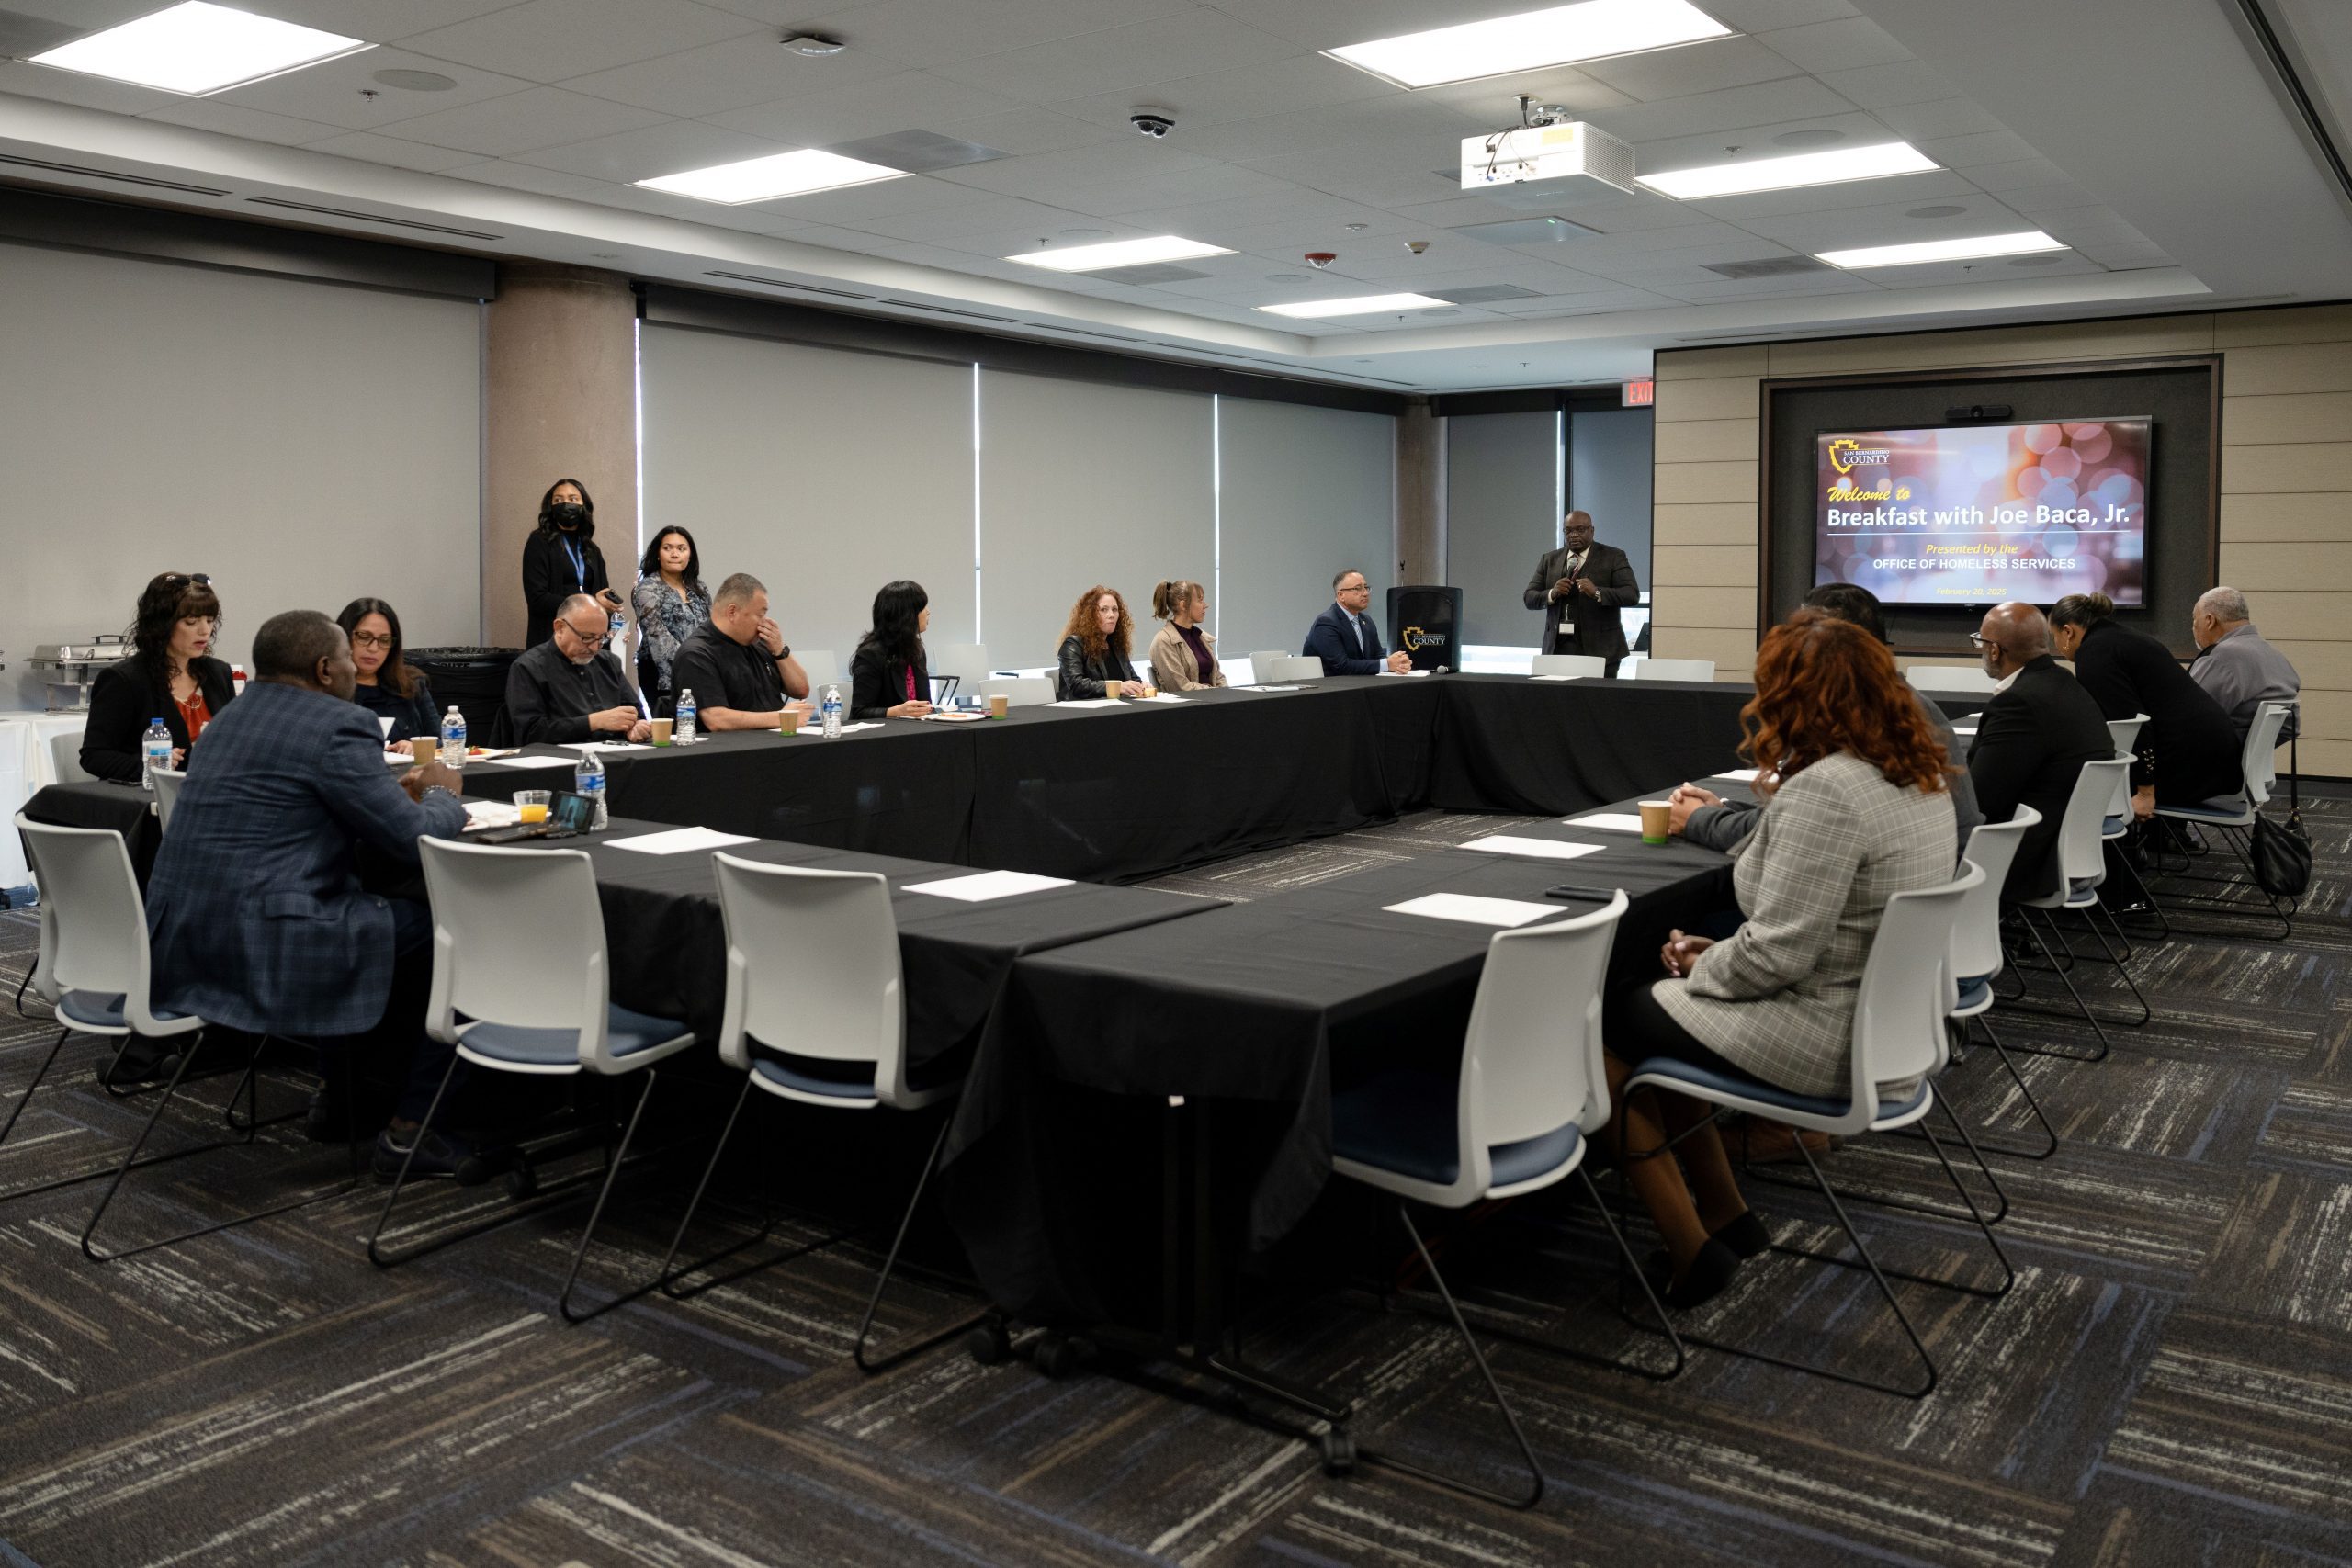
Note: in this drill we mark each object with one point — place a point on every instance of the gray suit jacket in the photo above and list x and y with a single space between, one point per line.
1600 630
255 912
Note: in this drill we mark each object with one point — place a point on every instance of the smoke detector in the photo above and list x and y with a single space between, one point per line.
815 45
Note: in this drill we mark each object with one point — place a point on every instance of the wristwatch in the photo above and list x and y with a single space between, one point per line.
432 790
786 654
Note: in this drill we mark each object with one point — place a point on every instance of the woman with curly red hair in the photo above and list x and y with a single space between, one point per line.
1095 644
1857 811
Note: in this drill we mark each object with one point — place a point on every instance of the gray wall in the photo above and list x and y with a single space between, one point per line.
1608 476
1304 494
1502 512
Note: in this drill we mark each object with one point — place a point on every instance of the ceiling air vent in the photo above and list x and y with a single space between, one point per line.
782 283
372 218
1082 331
90 174
1152 272
949 310
1483 294
1769 266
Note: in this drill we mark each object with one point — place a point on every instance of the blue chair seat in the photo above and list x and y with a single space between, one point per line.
99 1010
629 1032
1405 1123
1676 1070
2222 809
836 1079
1974 991
2112 828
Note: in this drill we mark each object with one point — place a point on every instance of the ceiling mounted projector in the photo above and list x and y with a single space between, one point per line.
1570 158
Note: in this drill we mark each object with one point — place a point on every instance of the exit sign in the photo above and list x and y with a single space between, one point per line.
1639 394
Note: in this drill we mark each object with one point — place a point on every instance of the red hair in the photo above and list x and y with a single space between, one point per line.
1089 631
1823 686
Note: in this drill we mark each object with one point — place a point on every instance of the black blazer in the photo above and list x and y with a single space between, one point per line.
547 580
124 701
2188 749
2030 747
1600 630
1080 677
877 682
1332 640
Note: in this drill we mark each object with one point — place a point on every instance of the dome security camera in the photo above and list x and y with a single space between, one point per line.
1154 123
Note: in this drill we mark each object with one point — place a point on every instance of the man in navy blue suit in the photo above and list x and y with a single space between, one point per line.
1343 637
257 914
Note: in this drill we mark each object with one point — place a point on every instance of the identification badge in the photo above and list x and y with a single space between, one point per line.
1567 628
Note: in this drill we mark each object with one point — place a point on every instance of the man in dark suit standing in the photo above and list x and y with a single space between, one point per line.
1580 588
1343 635
257 914
2033 740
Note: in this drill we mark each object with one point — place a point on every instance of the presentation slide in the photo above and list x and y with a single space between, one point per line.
1978 514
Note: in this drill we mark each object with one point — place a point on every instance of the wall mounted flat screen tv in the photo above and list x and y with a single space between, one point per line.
1980 514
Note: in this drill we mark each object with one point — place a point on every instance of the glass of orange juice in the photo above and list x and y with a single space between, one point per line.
532 804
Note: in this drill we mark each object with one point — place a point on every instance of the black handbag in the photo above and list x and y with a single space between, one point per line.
2282 850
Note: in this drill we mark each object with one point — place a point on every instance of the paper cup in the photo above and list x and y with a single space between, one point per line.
1658 821
661 728
426 748
999 704
790 722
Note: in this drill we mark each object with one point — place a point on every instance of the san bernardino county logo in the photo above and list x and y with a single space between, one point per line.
1845 456
1415 638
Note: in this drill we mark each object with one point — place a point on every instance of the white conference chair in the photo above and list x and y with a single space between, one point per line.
968 661
2082 868
1285 668
842 1047
1591 665
1263 660
2232 815
1950 678
1906 992
1978 956
520 986
1530 1092
95 972
1674 669
2125 734
167 795
822 669
1019 691
66 757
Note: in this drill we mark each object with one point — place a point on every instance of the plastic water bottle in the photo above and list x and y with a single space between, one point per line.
588 778
833 713
453 738
682 732
155 750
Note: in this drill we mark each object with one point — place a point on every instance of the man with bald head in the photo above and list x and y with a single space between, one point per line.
1580 588
565 691
2035 735
2235 666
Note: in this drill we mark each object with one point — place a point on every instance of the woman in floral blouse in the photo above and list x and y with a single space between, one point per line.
672 605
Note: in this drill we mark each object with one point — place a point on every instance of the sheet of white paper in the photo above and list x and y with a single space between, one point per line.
1087 703
1473 911
1266 688
493 814
1615 821
1563 677
384 724
1404 674
678 841
1963 730
986 885
519 763
818 730
398 759
1543 849
1161 697
607 745
1739 775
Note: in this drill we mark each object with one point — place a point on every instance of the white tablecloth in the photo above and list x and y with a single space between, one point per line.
27 763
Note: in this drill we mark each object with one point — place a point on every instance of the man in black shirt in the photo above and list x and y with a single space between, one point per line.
738 667
2033 740
566 691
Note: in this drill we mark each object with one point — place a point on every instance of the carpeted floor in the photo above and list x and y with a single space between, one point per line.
2169 1382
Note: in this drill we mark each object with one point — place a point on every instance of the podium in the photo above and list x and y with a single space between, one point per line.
1426 621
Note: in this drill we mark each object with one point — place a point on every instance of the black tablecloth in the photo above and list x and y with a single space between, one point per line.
1252 1003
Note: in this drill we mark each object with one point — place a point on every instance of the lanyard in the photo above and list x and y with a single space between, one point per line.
579 563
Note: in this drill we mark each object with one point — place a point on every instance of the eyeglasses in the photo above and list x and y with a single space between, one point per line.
596 636
1980 639
183 578
370 639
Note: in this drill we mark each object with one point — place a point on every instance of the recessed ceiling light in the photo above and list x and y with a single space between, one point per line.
198 48
1532 41
778 174
2030 241
1362 305
1787 174
1120 252
415 81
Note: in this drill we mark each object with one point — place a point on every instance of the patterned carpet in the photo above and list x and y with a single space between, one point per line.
2170 1382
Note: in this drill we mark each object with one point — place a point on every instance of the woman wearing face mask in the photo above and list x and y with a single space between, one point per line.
169 675
671 604
560 558
390 687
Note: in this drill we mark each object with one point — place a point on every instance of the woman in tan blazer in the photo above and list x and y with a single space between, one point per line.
1183 657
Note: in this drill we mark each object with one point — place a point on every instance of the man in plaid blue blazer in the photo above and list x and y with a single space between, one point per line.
256 911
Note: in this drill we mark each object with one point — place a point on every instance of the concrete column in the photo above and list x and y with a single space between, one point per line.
561 403
1420 495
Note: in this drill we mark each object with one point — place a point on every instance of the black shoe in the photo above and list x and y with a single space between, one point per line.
141 1062
1707 1278
439 1157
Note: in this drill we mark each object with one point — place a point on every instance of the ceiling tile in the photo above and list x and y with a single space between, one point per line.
1328 24
378 21
548 40
90 15
1386 119
927 32
1977 151
922 193
1492 103
904 100
1295 85
2023 174
1877 86
1854 129
1847 45
539 182
1047 175
1214 182
375 149
525 123
2054 197
1766 16
734 73
1946 117
334 92
71 87
1182 43
672 148
1766 103
1887 223
1695 68
1022 131
235 120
